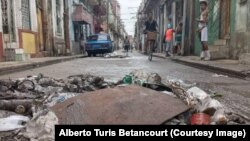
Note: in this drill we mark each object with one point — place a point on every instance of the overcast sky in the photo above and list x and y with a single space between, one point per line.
128 14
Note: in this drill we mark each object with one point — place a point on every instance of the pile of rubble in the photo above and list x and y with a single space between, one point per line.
27 102
204 109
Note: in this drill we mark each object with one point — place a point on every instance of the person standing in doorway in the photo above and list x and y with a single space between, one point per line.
203 30
169 40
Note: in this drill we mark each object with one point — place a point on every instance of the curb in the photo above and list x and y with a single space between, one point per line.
210 68
154 55
13 69
159 56
214 69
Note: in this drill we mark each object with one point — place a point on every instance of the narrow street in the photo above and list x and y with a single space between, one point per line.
123 62
235 91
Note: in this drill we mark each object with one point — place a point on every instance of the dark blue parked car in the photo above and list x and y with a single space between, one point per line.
99 44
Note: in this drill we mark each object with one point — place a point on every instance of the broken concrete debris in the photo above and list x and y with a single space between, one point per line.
41 129
32 97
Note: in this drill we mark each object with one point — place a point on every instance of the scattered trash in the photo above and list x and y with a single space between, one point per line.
219 117
220 75
203 103
176 102
59 98
113 55
200 119
181 83
197 93
34 96
13 123
169 93
209 106
42 129
128 79
145 77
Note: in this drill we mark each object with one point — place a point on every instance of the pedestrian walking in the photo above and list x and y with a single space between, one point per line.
178 38
126 45
82 44
169 40
203 30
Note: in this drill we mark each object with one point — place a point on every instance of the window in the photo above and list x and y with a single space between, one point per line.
93 38
58 16
26 22
5 16
98 38
103 38
8 19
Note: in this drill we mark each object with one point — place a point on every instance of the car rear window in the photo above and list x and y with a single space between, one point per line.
103 38
98 38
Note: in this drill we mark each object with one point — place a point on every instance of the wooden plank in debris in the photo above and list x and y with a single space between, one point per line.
121 105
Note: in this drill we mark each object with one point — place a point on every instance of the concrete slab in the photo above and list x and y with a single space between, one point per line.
120 106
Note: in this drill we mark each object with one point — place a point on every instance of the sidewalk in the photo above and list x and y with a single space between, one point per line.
226 67
11 67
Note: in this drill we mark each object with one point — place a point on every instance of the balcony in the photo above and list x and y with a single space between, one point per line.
81 15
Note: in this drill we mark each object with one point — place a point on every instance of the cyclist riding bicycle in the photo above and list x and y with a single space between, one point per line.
151 31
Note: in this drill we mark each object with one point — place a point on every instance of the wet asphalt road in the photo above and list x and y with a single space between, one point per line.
236 92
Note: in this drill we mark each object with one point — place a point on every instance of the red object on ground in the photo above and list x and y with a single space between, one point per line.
200 119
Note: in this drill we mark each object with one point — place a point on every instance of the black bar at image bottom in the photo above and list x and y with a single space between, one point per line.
78 132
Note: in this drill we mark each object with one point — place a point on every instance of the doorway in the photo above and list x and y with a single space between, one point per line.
224 18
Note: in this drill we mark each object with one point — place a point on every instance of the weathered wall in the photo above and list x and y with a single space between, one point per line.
241 18
33 16
240 42
1 36
59 42
1 22
71 27
27 38
54 14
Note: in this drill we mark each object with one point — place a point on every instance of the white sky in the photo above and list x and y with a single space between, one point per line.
128 14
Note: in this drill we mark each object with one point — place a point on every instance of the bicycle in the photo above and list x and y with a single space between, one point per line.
151 38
